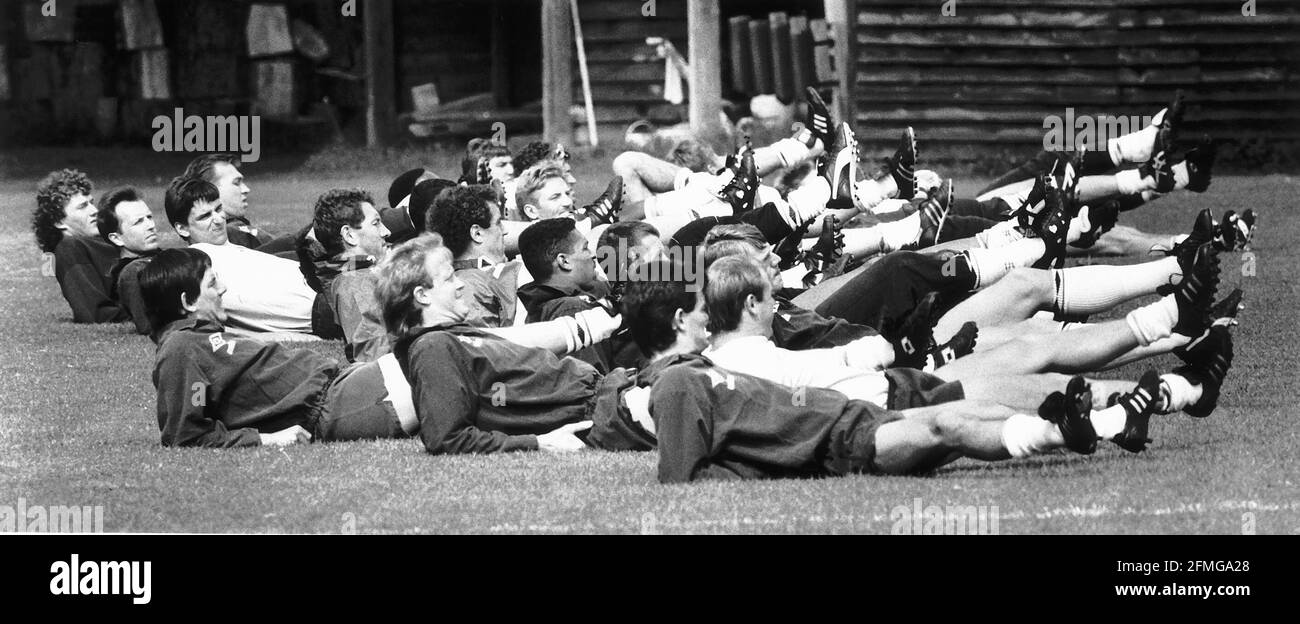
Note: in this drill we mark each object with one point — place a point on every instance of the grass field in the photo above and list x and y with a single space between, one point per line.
77 421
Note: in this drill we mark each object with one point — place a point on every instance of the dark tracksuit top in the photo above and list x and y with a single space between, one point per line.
82 266
242 233
220 390
715 424
797 329
547 303
125 278
475 392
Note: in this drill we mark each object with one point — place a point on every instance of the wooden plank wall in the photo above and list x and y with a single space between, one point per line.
626 77
988 76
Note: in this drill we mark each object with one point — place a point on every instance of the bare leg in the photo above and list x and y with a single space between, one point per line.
1124 240
643 176
1085 349
1026 392
932 436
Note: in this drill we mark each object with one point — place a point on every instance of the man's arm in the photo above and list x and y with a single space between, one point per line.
445 400
563 335
128 290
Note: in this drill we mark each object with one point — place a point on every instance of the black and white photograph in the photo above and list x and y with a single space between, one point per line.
650 267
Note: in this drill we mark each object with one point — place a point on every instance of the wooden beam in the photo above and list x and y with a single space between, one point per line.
557 72
840 16
703 24
500 58
377 21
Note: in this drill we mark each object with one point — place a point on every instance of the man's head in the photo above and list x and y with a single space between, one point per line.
742 239
486 161
64 207
536 152
695 155
468 218
543 193
126 221
639 238
417 287
664 313
555 252
194 209
347 224
222 171
738 296
178 284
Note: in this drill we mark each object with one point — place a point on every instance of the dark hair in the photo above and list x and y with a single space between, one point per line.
204 166
335 209
630 234
651 298
52 196
541 242
309 251
181 196
173 273
402 185
106 217
422 200
532 153
473 168
458 208
728 281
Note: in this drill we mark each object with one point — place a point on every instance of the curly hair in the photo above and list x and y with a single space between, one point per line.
335 209
473 168
458 208
533 153
52 196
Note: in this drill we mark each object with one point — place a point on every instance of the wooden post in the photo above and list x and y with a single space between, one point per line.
742 73
377 18
704 42
557 72
500 58
841 15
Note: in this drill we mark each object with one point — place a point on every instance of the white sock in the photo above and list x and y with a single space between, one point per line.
1154 321
1000 235
896 234
889 206
679 180
1099 287
1181 177
1024 435
791 151
1078 225
1135 147
991 265
1178 392
1109 422
809 198
867 194
1130 181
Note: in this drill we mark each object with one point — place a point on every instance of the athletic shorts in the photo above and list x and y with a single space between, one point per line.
357 407
910 388
852 448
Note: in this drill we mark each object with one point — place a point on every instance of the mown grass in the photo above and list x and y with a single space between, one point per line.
77 422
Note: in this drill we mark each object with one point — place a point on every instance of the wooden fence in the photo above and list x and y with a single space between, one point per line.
989 75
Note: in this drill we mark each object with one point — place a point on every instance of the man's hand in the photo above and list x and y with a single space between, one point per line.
564 439
287 437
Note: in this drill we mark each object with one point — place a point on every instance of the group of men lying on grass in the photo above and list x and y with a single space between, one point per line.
923 328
